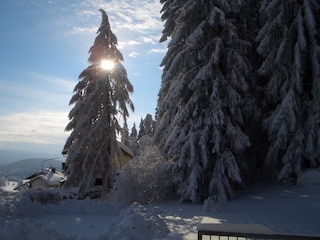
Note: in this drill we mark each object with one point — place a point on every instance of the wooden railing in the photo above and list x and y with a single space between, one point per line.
245 231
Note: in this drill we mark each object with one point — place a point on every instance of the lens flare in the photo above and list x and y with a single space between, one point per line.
107 64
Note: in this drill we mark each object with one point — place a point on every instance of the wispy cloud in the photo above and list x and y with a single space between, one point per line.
43 92
149 40
133 54
127 18
128 43
81 30
66 84
36 127
157 50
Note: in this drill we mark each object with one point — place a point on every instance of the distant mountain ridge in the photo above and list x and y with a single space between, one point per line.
15 164
11 155
26 167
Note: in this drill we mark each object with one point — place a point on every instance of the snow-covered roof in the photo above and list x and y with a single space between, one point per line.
125 148
49 175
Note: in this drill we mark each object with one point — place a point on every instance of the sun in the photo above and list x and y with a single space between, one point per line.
107 64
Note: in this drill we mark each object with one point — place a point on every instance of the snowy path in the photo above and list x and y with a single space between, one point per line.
283 209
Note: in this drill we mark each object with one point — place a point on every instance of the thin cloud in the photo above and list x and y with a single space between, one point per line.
36 127
133 54
123 17
67 85
42 92
86 13
140 17
149 40
158 50
26 93
123 44
131 42
135 22
82 30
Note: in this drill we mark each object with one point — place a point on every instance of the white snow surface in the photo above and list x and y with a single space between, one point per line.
293 209
9 186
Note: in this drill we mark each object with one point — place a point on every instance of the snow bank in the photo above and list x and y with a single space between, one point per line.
31 203
309 177
137 223
19 206
28 230
283 208
17 211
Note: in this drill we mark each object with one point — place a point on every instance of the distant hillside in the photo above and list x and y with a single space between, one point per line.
26 167
8 156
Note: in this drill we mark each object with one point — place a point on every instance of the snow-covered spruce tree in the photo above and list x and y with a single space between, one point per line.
142 131
147 126
312 126
202 96
134 132
150 124
100 97
288 44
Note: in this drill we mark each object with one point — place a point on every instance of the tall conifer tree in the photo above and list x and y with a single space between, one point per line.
288 45
201 100
100 98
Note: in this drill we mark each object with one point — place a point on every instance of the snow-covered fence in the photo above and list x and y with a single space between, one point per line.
245 231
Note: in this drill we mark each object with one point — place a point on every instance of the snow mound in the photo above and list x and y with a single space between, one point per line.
309 177
137 223
19 206
42 202
29 231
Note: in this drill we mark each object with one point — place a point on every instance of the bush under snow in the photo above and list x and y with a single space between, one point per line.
29 230
309 177
145 178
19 214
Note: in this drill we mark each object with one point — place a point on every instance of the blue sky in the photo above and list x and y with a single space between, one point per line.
43 49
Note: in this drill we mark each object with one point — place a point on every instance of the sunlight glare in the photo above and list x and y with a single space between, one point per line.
107 64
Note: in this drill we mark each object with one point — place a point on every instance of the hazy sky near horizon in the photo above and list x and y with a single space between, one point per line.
44 47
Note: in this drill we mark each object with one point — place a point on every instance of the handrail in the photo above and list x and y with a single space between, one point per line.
247 231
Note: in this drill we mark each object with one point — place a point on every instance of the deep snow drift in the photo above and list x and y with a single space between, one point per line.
282 208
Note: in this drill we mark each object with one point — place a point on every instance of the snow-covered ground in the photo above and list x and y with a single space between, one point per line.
9 186
282 208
